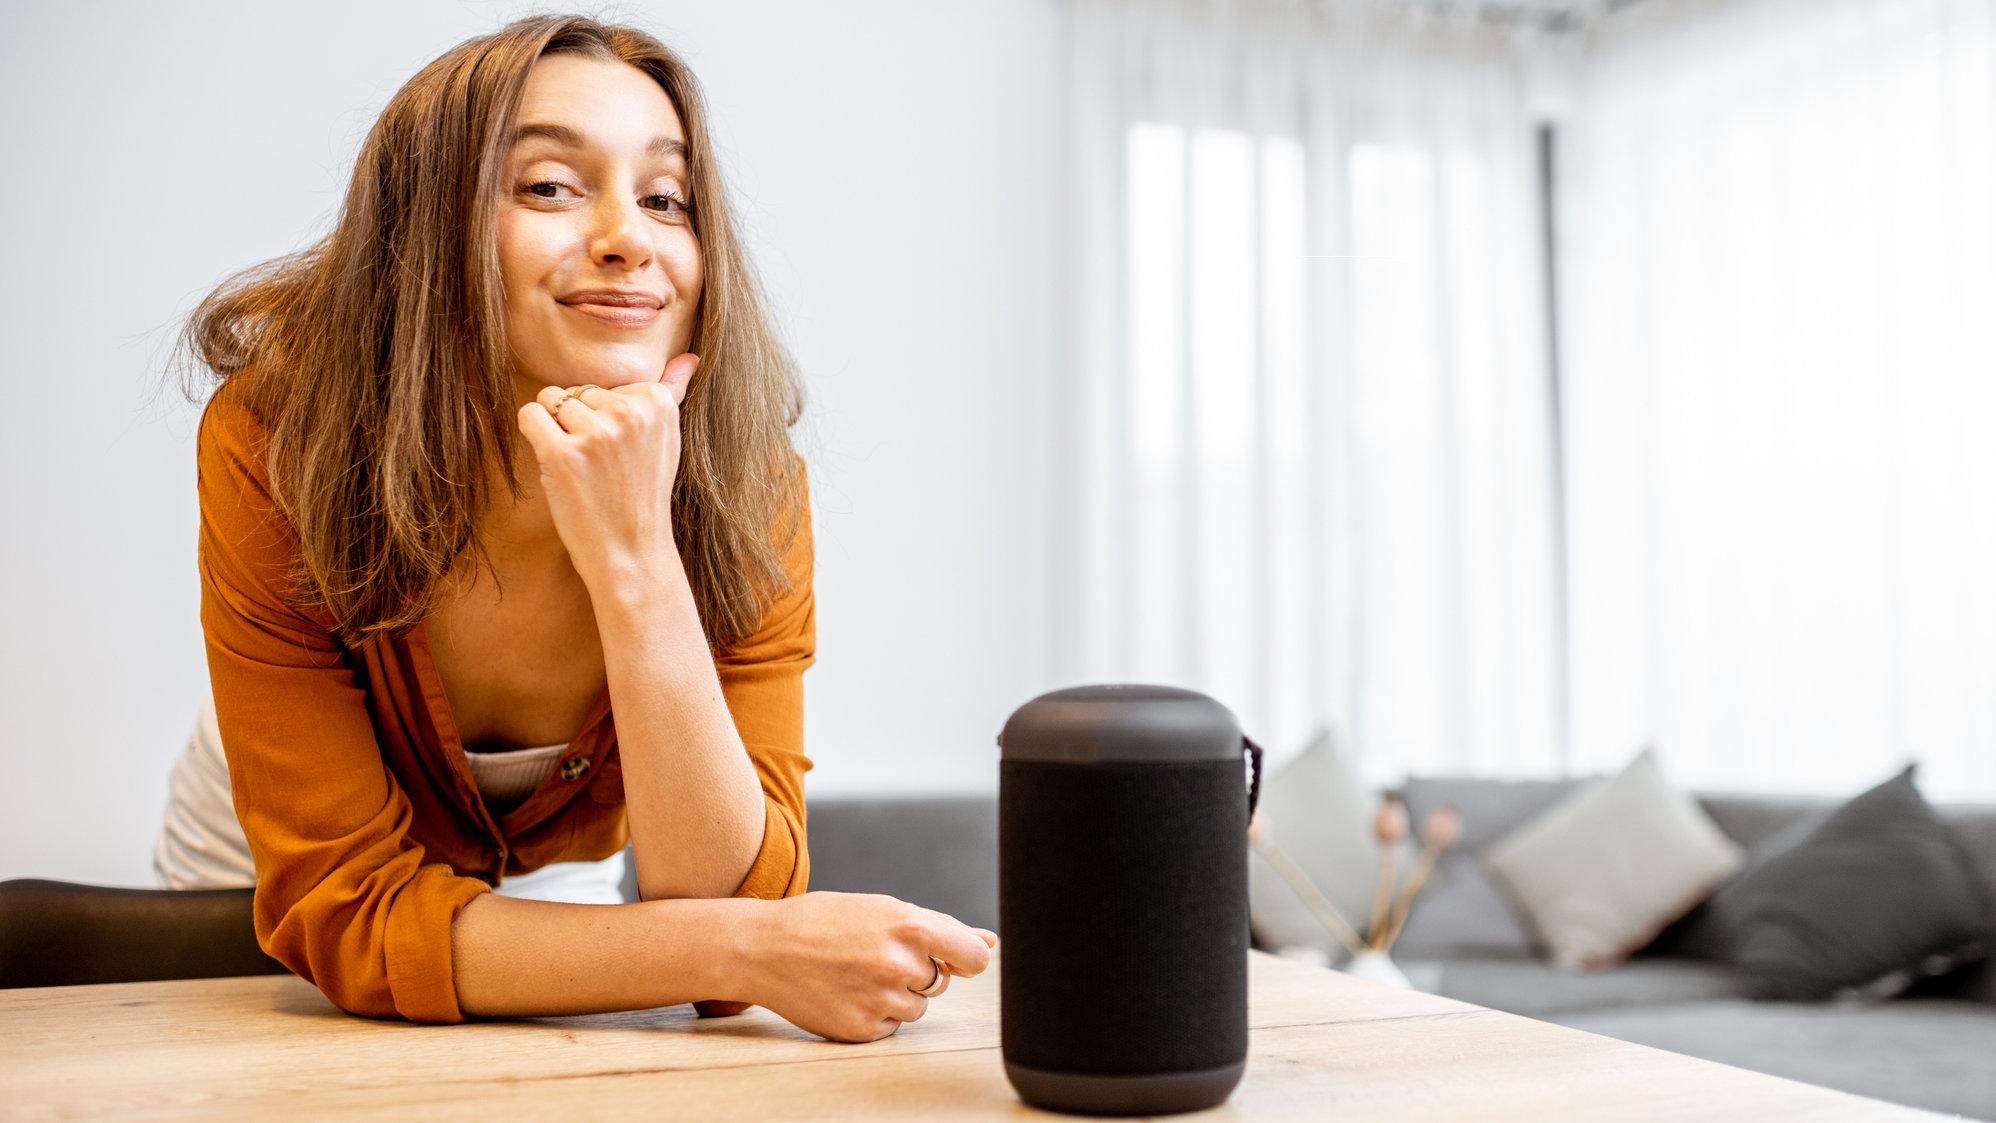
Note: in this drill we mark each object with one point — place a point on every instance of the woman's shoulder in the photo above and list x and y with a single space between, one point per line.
788 624
232 440
791 529
239 509
230 420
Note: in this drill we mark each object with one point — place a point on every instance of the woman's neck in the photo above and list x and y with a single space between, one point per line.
521 531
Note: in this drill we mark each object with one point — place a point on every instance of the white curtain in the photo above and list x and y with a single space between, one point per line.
1779 331
1307 419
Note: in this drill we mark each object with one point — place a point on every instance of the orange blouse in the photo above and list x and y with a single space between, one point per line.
351 784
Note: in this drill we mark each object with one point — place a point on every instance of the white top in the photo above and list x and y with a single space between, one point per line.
201 845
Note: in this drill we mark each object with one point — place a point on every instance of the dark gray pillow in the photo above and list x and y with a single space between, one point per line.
1711 931
1861 901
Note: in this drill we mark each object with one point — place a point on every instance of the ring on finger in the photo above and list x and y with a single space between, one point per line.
936 985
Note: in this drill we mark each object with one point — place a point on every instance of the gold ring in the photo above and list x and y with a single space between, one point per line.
936 985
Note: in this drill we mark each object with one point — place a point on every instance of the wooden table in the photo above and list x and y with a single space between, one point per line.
1325 1046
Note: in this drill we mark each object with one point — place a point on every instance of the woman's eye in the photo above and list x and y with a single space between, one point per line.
664 204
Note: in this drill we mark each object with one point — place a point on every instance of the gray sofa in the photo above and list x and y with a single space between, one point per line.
1935 1048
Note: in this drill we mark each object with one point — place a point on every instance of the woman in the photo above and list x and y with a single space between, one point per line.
509 445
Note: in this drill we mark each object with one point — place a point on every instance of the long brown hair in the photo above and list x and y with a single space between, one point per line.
382 374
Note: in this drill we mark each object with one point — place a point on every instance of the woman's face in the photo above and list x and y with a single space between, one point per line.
597 253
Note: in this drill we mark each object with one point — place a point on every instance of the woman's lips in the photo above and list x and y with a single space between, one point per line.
617 315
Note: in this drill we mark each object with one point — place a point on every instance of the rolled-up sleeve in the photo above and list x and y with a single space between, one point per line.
762 679
344 897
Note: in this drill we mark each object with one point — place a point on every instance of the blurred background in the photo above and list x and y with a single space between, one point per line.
1506 387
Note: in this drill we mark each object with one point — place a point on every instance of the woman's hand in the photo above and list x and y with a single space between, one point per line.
846 965
608 459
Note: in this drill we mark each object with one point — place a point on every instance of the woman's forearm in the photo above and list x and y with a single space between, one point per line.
519 958
695 803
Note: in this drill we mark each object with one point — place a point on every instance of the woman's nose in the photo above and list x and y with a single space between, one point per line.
618 236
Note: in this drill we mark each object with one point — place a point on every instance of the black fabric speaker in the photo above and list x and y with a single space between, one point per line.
1122 900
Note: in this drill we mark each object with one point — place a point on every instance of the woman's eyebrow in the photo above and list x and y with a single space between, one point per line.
561 134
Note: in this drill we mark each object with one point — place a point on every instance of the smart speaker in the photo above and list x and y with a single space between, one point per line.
1122 899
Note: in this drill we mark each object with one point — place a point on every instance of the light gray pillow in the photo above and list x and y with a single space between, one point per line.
1318 810
1602 871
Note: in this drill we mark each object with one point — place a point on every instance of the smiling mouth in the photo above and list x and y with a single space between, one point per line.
616 315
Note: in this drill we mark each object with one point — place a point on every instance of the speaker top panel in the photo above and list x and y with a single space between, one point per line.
1121 723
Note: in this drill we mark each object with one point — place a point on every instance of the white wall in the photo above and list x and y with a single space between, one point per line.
895 162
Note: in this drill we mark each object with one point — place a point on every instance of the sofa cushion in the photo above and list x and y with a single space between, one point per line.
1768 824
1974 825
1869 898
1752 820
937 851
1973 983
1536 989
1462 911
1930 1053
1602 871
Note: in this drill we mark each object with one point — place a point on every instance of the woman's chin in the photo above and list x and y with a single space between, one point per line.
574 362
621 370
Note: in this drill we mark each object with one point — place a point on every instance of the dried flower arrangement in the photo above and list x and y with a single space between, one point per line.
1390 903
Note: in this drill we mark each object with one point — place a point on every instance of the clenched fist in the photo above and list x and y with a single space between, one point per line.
608 458
846 966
